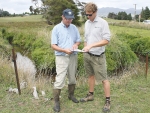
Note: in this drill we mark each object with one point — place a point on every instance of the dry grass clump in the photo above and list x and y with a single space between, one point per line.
7 74
124 76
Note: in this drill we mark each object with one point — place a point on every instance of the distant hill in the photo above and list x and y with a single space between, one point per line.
106 10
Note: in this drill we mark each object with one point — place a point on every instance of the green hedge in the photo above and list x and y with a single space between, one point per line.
39 50
5 48
119 55
139 44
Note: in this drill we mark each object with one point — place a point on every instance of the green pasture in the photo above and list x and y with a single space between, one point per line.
113 20
37 21
30 18
128 30
26 23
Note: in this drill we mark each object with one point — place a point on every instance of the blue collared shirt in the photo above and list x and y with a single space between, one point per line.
64 37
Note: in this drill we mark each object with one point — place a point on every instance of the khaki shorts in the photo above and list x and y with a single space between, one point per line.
96 66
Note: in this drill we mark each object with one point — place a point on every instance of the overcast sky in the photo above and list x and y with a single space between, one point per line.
20 6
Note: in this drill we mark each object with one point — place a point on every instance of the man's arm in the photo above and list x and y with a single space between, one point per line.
55 47
97 44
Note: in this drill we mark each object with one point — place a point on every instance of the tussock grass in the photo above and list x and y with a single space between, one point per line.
6 71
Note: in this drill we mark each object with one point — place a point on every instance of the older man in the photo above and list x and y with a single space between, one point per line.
65 38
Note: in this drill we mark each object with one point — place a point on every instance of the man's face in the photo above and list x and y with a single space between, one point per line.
66 21
90 15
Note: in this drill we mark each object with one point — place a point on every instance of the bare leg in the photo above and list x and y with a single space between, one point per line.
106 86
89 96
91 81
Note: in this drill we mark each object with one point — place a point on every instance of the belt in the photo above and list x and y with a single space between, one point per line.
95 55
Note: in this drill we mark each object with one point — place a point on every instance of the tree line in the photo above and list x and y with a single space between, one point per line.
4 13
120 16
144 15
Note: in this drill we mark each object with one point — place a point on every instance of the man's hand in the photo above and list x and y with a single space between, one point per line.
75 46
86 48
68 51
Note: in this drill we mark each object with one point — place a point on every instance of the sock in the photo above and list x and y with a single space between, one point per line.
107 98
91 93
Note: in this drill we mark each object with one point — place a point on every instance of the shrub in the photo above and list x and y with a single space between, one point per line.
5 48
141 45
119 55
43 57
138 43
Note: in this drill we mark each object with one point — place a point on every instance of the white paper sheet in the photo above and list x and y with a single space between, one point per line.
78 50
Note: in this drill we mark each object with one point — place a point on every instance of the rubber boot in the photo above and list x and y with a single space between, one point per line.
71 89
56 93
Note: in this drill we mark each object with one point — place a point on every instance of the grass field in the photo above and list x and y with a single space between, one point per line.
37 21
129 90
134 31
32 18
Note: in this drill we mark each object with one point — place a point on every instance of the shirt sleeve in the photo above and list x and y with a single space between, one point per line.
54 37
106 31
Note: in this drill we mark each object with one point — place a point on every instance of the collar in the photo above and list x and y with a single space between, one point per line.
63 24
95 19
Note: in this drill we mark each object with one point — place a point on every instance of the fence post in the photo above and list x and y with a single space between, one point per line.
15 67
146 64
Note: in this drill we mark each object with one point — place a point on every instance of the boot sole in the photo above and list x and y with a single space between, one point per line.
72 100
56 110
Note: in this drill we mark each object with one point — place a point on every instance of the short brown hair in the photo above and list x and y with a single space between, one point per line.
90 7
